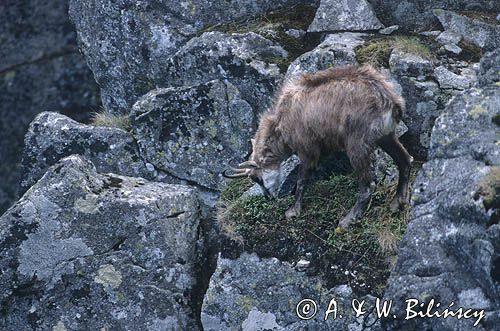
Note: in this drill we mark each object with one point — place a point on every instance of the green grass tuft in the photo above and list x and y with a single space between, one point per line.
364 250
111 120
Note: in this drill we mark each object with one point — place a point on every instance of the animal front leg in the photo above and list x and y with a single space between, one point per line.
364 196
294 210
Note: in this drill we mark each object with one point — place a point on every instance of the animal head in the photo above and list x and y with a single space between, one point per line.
263 167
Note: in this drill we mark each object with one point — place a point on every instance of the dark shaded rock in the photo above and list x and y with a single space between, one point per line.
450 249
344 15
128 44
417 14
250 293
88 251
52 136
40 69
475 31
193 132
489 72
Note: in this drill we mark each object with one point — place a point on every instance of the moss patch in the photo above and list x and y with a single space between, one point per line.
111 120
378 51
489 191
360 256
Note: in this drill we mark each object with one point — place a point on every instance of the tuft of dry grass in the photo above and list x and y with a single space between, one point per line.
111 120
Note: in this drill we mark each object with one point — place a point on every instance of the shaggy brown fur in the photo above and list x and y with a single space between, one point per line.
351 109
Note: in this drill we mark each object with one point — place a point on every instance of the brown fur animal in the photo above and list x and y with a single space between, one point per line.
351 109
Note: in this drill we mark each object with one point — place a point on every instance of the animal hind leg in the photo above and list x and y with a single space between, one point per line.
361 162
391 145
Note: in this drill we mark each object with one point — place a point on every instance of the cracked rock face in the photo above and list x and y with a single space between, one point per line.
128 43
40 69
52 136
489 72
479 33
345 15
250 293
450 251
193 132
418 15
88 251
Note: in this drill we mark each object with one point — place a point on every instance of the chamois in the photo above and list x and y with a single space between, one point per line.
352 109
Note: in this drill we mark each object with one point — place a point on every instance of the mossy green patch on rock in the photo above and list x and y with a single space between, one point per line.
378 50
360 256
489 191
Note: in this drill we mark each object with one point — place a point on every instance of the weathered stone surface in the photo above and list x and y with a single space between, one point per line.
88 251
489 72
389 30
128 44
450 249
475 31
40 69
193 132
245 60
448 37
250 293
407 64
417 14
336 50
344 15
448 79
52 136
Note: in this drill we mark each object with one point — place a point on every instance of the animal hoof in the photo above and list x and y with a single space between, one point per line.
292 213
346 221
398 204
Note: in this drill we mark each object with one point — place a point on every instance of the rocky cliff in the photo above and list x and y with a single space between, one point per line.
126 222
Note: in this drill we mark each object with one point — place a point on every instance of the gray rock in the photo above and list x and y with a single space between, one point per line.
52 136
193 132
489 72
452 48
250 293
477 32
448 252
389 30
337 49
344 15
296 33
40 69
448 79
403 63
245 60
417 15
128 43
88 251
448 37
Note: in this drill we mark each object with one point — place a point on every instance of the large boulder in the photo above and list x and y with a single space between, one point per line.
418 14
489 72
40 69
128 43
193 132
250 293
450 251
475 31
83 250
246 60
52 136
344 15
336 50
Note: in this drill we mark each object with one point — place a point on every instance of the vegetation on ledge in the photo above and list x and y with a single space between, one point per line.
360 256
